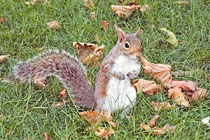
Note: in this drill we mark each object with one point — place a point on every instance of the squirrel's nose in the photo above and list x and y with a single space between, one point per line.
138 55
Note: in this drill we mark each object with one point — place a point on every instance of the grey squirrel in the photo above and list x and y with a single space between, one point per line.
113 89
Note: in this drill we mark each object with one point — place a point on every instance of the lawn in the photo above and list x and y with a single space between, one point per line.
26 110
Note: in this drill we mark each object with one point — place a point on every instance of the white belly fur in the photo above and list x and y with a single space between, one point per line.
120 93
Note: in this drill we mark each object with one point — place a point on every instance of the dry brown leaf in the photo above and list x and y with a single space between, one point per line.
88 52
188 86
0 117
62 94
93 15
162 106
91 116
145 127
105 24
60 104
103 133
46 136
125 11
3 57
97 54
158 130
53 25
39 81
106 116
153 121
2 20
89 3
84 49
95 118
168 128
160 72
172 38
57 104
178 96
148 87
183 2
199 94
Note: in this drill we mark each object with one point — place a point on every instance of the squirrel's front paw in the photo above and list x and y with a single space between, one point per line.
133 74
122 77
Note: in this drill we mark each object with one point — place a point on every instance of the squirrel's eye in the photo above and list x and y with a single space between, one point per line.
127 45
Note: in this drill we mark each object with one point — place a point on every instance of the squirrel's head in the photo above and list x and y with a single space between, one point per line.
130 44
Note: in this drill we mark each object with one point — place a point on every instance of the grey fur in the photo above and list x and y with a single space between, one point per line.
65 67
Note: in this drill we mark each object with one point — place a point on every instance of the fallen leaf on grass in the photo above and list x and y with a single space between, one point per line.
93 15
96 118
33 2
39 81
53 25
88 52
199 94
178 96
125 11
206 120
162 106
46 136
3 57
145 127
106 116
183 2
105 24
61 103
172 38
91 116
148 87
158 130
189 86
103 133
57 104
160 72
153 121
89 3
62 94
2 20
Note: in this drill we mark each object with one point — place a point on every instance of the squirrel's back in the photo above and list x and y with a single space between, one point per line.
62 65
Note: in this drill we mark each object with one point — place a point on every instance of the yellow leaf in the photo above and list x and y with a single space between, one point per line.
3 57
172 38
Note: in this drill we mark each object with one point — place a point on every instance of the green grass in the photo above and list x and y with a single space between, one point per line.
26 110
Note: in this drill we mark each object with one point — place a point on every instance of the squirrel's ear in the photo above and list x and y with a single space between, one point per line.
137 32
120 34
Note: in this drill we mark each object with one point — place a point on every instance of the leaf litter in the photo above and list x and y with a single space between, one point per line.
89 52
182 92
126 11
151 127
95 119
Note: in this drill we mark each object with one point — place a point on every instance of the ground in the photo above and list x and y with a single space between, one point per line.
26 110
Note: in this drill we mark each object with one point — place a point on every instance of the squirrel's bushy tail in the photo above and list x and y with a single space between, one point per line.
62 65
